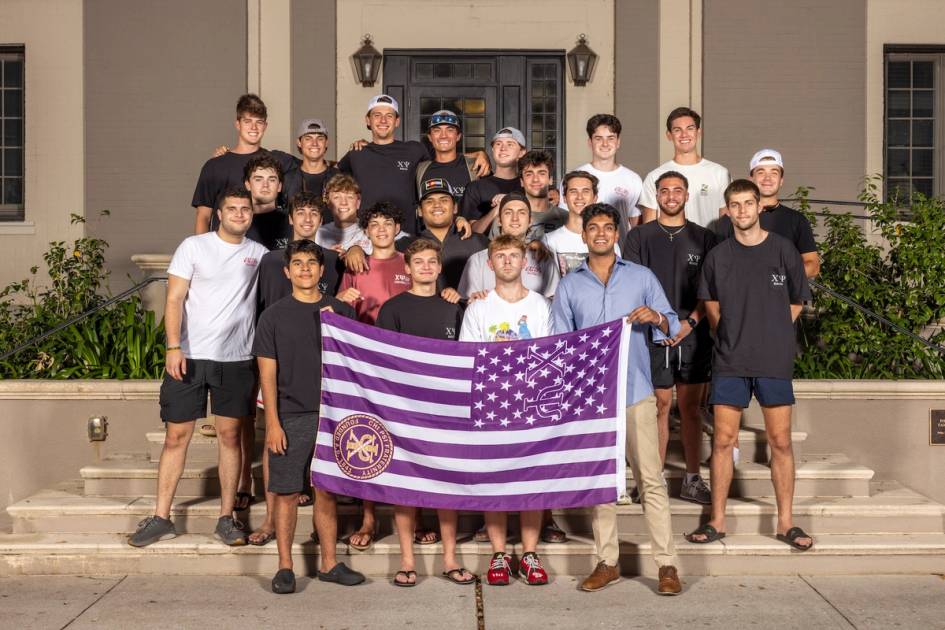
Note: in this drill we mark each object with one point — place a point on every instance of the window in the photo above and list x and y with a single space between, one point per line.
914 115
471 112
544 86
11 133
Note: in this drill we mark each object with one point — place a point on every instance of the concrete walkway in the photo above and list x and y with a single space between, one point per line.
206 603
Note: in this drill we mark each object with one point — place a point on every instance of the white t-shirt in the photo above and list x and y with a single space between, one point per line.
620 188
494 319
220 307
707 183
568 249
541 277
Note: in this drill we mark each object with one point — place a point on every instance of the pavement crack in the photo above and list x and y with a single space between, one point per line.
829 603
97 600
480 607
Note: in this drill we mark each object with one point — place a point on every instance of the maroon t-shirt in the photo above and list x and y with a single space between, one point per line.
386 278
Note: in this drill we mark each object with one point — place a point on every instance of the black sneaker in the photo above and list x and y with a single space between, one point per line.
151 530
696 491
230 531
341 574
284 582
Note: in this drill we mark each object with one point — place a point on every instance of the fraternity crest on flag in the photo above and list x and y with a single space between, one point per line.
363 448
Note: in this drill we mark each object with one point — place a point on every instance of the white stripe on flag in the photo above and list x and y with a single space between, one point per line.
389 400
485 436
396 376
538 486
455 464
365 343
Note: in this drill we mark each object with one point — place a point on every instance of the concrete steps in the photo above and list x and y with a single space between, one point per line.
753 444
202 449
136 475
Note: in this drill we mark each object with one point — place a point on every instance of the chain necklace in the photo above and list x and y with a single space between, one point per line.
671 234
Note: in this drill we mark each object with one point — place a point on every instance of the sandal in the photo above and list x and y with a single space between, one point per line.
262 538
364 547
305 500
711 535
452 576
208 430
790 537
408 575
240 497
426 537
553 534
481 535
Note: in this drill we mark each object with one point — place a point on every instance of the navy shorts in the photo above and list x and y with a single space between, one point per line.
736 391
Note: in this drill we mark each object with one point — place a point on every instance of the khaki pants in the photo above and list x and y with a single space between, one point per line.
643 452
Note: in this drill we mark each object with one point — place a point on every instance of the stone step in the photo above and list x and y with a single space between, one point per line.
201 554
753 445
136 475
891 508
202 449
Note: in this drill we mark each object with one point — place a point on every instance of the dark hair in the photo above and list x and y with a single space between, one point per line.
383 209
262 161
603 120
681 112
742 186
672 174
598 209
252 105
307 199
422 245
536 157
579 175
236 193
303 246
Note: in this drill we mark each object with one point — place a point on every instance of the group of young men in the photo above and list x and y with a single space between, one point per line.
417 238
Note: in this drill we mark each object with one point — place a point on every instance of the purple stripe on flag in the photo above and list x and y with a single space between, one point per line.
376 383
360 355
411 342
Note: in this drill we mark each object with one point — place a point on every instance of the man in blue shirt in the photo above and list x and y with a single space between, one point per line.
602 289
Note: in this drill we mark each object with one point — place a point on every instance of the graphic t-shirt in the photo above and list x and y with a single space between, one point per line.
290 332
477 199
387 172
707 183
538 276
297 181
568 249
456 172
220 307
755 288
422 316
621 188
383 280
456 252
781 220
273 285
494 319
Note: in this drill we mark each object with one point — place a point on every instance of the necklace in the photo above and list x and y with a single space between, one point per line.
671 234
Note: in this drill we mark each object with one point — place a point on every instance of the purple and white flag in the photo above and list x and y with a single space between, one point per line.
519 425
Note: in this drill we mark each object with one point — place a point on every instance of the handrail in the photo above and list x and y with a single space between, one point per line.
78 318
849 302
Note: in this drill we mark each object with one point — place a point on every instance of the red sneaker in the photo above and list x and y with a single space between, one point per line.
499 572
531 570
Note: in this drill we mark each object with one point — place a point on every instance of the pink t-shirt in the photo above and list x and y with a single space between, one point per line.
385 279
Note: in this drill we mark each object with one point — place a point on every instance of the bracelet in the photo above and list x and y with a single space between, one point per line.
169 348
660 322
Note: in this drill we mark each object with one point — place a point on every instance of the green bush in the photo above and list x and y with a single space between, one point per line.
902 279
120 341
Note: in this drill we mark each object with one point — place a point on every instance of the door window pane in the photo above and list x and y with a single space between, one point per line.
12 125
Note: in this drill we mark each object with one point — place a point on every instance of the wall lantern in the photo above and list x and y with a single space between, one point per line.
581 60
367 62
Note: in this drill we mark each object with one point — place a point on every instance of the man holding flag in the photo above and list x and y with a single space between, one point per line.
602 289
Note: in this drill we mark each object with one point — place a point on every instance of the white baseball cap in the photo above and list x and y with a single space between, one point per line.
384 100
765 157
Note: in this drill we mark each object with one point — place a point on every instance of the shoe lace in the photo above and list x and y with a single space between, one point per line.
147 521
532 562
498 563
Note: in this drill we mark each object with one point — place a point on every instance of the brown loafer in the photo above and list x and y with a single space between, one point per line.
603 575
669 581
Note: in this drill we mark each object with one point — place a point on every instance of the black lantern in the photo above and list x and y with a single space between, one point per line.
367 62
581 60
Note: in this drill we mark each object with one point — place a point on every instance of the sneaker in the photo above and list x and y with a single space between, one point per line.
635 495
603 575
736 456
151 530
669 581
481 535
696 491
230 531
499 571
531 571
624 499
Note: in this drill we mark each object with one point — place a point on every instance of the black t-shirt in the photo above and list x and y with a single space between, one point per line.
455 252
676 263
271 229
289 331
755 288
455 172
782 220
273 285
388 172
431 317
221 173
477 200
297 181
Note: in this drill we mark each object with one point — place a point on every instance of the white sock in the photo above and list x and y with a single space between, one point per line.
691 477
736 455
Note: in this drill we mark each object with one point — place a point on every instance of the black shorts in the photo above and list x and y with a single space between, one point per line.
736 391
690 362
232 386
289 473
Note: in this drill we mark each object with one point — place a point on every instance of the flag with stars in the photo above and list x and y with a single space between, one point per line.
519 425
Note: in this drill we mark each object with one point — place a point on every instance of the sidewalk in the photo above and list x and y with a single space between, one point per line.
207 603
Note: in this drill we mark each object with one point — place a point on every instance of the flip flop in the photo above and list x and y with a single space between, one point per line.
452 573
267 537
406 574
711 535
305 500
370 542
207 430
420 537
239 498
790 537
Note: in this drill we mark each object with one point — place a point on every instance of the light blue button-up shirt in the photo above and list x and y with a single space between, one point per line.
582 300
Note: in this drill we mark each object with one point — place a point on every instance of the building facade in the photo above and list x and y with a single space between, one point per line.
111 105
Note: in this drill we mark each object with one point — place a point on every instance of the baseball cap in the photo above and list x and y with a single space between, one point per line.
515 195
444 117
435 185
312 125
765 157
510 132
385 100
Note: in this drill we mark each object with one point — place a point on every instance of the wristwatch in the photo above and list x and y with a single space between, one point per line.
692 322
